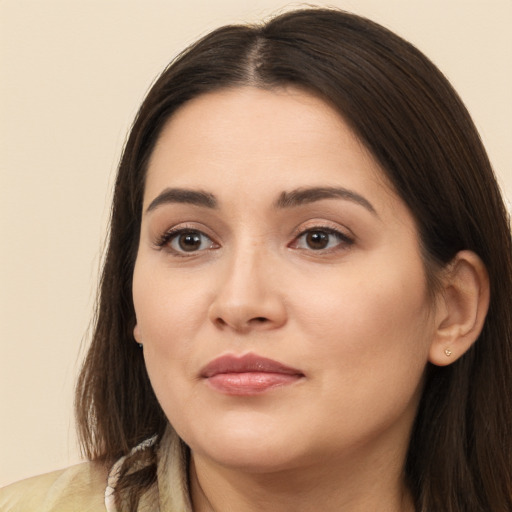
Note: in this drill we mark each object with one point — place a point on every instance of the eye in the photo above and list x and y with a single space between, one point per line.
321 239
187 241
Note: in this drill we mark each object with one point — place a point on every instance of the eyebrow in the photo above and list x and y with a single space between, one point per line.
303 196
291 199
183 195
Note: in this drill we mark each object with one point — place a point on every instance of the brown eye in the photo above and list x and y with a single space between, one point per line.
189 241
317 239
322 239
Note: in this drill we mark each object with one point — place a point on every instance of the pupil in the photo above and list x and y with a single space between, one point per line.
190 241
317 240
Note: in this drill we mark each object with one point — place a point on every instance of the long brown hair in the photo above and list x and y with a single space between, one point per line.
413 122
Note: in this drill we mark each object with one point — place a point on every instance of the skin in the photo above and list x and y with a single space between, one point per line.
355 317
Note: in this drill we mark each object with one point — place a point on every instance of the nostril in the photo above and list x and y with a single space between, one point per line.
221 322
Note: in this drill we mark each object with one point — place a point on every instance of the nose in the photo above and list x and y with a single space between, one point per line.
248 297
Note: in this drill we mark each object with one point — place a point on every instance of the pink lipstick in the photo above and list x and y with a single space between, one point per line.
248 375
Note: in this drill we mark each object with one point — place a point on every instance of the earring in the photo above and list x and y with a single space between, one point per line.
448 352
140 345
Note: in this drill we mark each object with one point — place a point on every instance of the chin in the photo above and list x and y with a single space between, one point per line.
251 459
246 448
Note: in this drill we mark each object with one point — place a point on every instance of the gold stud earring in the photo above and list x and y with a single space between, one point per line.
448 352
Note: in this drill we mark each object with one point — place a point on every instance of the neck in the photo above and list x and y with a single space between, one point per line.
333 486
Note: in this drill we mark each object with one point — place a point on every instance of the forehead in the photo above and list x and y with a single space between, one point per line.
250 138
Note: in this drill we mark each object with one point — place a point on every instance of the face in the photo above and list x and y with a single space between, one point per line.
279 288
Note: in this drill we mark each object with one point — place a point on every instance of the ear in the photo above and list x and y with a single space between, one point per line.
461 308
136 333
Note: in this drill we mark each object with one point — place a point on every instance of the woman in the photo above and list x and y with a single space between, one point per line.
309 278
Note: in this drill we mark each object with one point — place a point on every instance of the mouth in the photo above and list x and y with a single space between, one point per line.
248 375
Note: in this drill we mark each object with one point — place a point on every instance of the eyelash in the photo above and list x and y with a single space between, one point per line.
169 236
343 240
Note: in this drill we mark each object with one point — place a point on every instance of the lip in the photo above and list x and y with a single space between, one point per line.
249 374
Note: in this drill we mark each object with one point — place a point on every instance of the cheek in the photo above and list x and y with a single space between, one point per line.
364 321
169 312
167 308
369 338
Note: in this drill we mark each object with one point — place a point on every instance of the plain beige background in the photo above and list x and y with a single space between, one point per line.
72 76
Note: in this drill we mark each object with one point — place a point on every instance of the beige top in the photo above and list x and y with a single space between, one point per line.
88 487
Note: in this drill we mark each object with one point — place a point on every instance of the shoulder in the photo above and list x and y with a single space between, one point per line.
78 488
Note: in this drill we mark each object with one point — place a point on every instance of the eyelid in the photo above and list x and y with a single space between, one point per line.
323 224
346 237
162 241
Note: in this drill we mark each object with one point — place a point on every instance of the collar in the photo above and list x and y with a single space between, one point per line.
171 492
